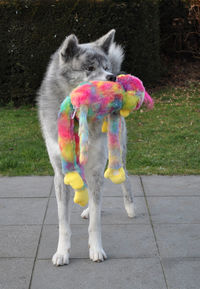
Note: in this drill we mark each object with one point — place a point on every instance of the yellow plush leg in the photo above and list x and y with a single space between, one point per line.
116 176
124 112
104 127
81 197
74 180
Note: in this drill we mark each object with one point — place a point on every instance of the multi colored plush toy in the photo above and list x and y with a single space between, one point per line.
93 101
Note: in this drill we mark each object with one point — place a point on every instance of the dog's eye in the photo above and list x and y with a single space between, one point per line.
106 68
91 68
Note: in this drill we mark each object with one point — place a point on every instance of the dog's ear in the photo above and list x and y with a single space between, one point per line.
105 41
116 57
69 48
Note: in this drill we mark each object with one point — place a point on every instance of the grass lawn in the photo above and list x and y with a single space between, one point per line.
163 141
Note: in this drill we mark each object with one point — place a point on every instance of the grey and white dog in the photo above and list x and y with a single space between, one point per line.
71 64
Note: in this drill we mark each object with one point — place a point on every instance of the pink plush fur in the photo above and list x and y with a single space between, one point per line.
96 100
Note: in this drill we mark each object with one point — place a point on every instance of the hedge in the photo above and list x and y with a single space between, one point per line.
33 30
180 28
173 14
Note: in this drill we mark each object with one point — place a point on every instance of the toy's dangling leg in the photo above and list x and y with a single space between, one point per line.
83 135
104 127
115 171
81 195
67 144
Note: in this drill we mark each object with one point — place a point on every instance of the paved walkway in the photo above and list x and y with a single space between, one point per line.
159 249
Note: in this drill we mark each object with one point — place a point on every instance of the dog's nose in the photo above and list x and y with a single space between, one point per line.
111 77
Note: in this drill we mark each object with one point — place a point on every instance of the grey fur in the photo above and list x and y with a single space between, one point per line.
71 64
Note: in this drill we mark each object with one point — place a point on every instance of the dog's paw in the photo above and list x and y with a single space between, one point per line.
130 209
85 214
60 259
97 254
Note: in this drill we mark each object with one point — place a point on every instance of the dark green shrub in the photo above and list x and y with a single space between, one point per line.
33 30
180 27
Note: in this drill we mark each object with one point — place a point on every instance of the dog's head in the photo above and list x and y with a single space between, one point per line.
99 60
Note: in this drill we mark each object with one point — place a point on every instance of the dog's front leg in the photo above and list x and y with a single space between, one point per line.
61 257
96 251
94 175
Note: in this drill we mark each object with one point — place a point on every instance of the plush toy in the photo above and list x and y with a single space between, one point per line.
93 101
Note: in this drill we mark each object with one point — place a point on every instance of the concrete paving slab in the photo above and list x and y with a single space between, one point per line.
171 185
113 190
133 261
34 186
178 240
15 273
22 211
119 241
113 212
182 273
115 273
19 241
175 209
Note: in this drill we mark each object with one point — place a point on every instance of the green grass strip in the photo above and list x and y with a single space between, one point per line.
163 141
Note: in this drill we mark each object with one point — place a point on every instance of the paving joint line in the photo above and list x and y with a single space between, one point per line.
104 224
109 258
154 234
17 257
16 198
173 196
40 235
117 197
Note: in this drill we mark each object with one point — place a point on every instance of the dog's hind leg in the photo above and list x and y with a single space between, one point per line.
61 257
94 170
128 197
126 186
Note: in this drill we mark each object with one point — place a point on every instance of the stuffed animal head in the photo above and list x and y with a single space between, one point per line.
135 92
104 97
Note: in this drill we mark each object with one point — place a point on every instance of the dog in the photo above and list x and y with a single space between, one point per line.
70 65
